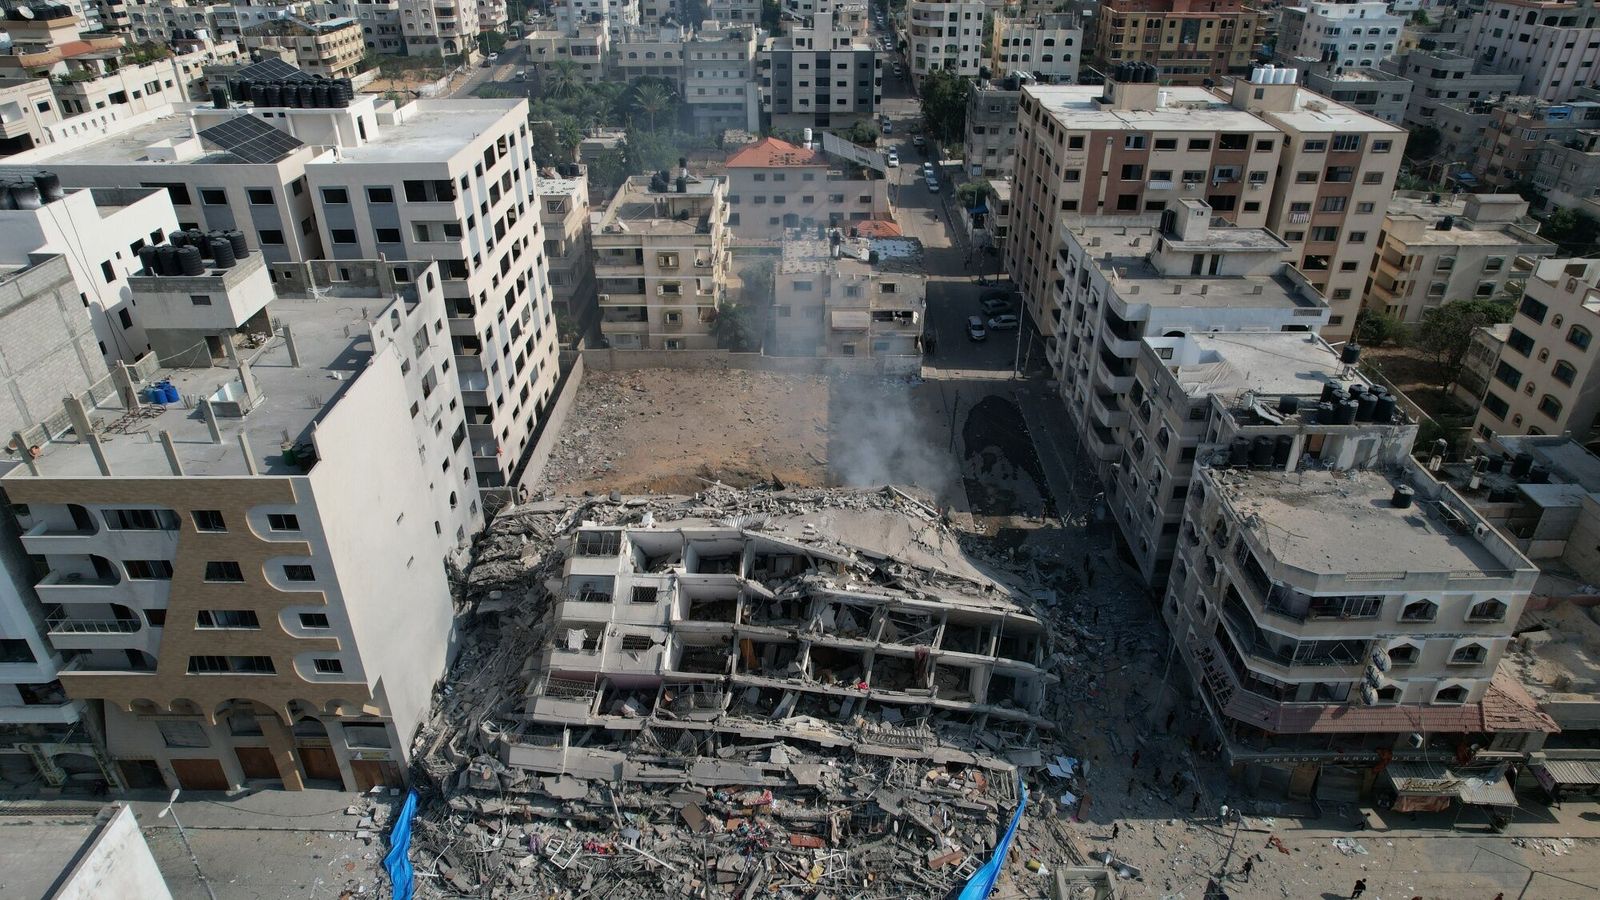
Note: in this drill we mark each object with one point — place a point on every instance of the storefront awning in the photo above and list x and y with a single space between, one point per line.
1569 772
1479 788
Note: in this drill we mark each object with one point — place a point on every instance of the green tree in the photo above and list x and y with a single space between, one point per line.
1446 331
555 140
862 133
1375 329
652 151
651 99
1573 232
944 105
559 80
606 172
771 13
972 193
1424 142
737 327
1528 191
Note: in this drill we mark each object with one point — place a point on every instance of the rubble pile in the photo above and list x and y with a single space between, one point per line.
827 700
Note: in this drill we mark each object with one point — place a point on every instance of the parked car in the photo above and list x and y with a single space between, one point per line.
1007 322
975 330
933 186
919 140
893 159
995 305
888 126
493 57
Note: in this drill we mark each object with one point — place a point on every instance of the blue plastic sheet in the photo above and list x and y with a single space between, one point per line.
982 881
398 862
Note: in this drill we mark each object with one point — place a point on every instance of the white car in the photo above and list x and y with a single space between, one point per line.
493 57
1006 322
933 186
927 169
893 159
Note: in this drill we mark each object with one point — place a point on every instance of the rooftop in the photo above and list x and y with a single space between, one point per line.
553 187
1271 363
1122 253
896 255
771 153
53 844
1327 522
433 130
637 207
1314 113
1186 109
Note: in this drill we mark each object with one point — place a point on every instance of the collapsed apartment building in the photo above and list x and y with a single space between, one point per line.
742 690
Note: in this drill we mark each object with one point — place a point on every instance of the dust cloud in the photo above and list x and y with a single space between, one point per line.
880 433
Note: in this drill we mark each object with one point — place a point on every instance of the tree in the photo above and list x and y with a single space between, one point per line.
651 97
606 172
652 151
553 141
1375 329
1528 191
737 328
1446 331
771 13
972 192
944 104
559 80
862 133
1423 142
1572 231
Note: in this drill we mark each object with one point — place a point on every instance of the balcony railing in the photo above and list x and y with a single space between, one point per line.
93 626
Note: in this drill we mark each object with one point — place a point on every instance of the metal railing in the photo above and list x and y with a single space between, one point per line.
93 626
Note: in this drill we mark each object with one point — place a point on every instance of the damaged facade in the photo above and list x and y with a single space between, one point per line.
851 297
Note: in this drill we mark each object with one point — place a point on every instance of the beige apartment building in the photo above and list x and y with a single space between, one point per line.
1263 153
661 262
851 298
1546 380
1438 249
775 186
564 213
330 49
1187 41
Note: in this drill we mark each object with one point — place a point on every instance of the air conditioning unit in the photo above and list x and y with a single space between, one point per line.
605 298
1255 185
702 264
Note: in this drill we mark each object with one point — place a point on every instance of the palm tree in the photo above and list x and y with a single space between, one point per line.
561 79
651 99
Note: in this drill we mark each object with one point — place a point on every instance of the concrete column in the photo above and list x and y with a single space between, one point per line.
247 380
172 453
288 341
210 415
122 374
229 350
99 454
25 452
249 455
341 751
77 415
281 743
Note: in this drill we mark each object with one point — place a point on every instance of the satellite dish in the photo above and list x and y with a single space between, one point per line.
24 12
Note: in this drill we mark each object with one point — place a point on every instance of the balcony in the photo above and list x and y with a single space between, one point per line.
75 587
1107 408
1115 374
103 634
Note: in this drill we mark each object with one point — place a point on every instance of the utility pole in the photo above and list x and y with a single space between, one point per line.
955 408
183 836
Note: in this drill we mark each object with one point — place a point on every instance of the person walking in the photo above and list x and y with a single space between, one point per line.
1116 829
1359 889
1249 866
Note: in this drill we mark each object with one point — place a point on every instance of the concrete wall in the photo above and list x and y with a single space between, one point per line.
554 420
47 345
616 360
116 863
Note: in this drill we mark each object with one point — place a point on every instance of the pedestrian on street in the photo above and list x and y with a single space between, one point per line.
1359 889
1500 896
1172 715
1116 829
1249 864
1134 763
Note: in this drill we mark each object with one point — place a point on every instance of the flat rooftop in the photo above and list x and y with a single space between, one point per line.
1137 281
124 144
434 131
1315 113
45 847
895 255
334 346
636 207
563 187
1335 523
1272 363
1559 655
1187 109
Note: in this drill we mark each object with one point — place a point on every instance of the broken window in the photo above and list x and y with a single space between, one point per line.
599 543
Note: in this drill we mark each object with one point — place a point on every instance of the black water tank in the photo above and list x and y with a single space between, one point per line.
49 185
1365 406
177 238
1325 414
1351 354
1357 391
236 238
1377 390
1496 465
1385 410
1261 452
239 89
258 93
274 94
1402 496
345 90
319 94
222 253
1239 453
189 262
219 97
1538 475
25 194
147 260
1347 412
1288 404
196 238
1521 464
167 260
1282 448
5 196
308 94
1328 387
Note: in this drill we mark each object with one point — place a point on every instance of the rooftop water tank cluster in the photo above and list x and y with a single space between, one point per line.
30 192
187 252
1349 404
315 93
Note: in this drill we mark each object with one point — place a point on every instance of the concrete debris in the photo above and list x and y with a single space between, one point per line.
796 693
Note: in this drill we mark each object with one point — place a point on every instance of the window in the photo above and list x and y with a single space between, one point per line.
213 197
139 520
598 543
1382 146
227 618
16 650
1496 406
1305 178
327 666
1419 611
231 665
1519 342
1564 372
1132 172
299 573
1508 374
1452 694
1334 204
1533 309
1579 336
313 620
1315 147
1550 406
380 195
1487 611
148 569
259 196
1325 233
1346 143
1075 142
283 522
182 733
208 520
1339 174
271 237
1470 655
335 195
344 235
1404 655
1166 143
1133 142
224 570
1372 178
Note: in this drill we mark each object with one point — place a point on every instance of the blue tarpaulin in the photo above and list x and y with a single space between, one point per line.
982 881
398 862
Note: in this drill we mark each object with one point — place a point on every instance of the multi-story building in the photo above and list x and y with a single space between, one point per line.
944 36
330 49
27 105
1188 41
1508 150
1339 34
1381 95
1266 153
1258 390
795 92
453 180
1442 76
613 15
661 262
851 298
1546 380
1344 626
492 15
279 533
1438 249
444 27
990 142
737 12
655 50
100 232
380 20
568 247
1552 45
775 187
163 21
989 222
1049 48
1122 279
132 84
585 47
231 20
719 65
1567 173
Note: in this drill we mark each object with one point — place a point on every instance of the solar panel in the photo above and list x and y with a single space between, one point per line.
271 70
250 139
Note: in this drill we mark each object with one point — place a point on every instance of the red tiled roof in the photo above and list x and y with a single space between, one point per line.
771 153
878 228
1502 709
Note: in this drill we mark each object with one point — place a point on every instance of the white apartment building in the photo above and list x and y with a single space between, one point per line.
454 181
1568 172
27 105
1122 279
719 87
944 35
1443 76
1546 380
1283 396
737 12
99 231
648 50
615 15
1338 35
381 29
1381 95
1553 46
179 570
564 212
1438 249
851 298
1049 48
162 21
775 187
492 15
990 142
95 82
446 27
819 75
661 262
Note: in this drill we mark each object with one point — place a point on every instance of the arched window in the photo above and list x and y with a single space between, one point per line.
1564 372
1550 406
1487 611
1579 336
1419 611
1469 655
1404 655
1455 693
